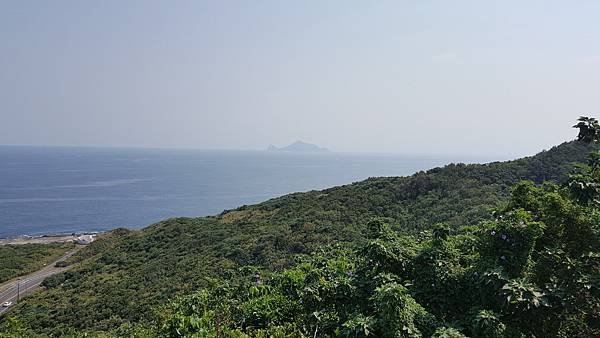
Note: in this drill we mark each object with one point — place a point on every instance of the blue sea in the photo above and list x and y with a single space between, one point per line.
46 190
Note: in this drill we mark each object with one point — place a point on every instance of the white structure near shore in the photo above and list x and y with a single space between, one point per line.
85 239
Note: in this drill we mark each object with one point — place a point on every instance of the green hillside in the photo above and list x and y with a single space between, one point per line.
125 276
531 271
18 260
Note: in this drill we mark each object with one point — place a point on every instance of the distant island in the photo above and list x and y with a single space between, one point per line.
299 146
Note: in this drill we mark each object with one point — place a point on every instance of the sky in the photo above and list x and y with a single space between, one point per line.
504 78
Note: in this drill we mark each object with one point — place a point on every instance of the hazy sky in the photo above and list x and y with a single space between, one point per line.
499 77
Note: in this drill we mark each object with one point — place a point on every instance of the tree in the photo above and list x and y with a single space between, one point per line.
589 129
585 183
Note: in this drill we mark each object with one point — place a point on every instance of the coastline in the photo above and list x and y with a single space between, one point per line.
81 238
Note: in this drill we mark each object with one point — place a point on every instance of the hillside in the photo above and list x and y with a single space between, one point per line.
18 260
124 276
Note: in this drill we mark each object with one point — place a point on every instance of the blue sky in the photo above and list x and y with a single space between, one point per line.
481 77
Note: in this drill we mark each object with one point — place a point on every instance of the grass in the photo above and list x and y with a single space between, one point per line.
19 260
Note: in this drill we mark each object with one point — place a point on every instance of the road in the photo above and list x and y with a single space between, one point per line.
24 285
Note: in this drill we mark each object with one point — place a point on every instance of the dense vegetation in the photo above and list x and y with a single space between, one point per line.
452 251
18 260
532 271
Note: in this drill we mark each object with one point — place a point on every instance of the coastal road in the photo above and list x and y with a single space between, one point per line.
24 285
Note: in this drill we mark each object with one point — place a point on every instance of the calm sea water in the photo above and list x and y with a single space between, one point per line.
63 190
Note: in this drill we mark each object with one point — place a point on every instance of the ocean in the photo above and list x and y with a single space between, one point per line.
57 190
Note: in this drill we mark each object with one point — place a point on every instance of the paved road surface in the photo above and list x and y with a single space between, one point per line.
26 284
